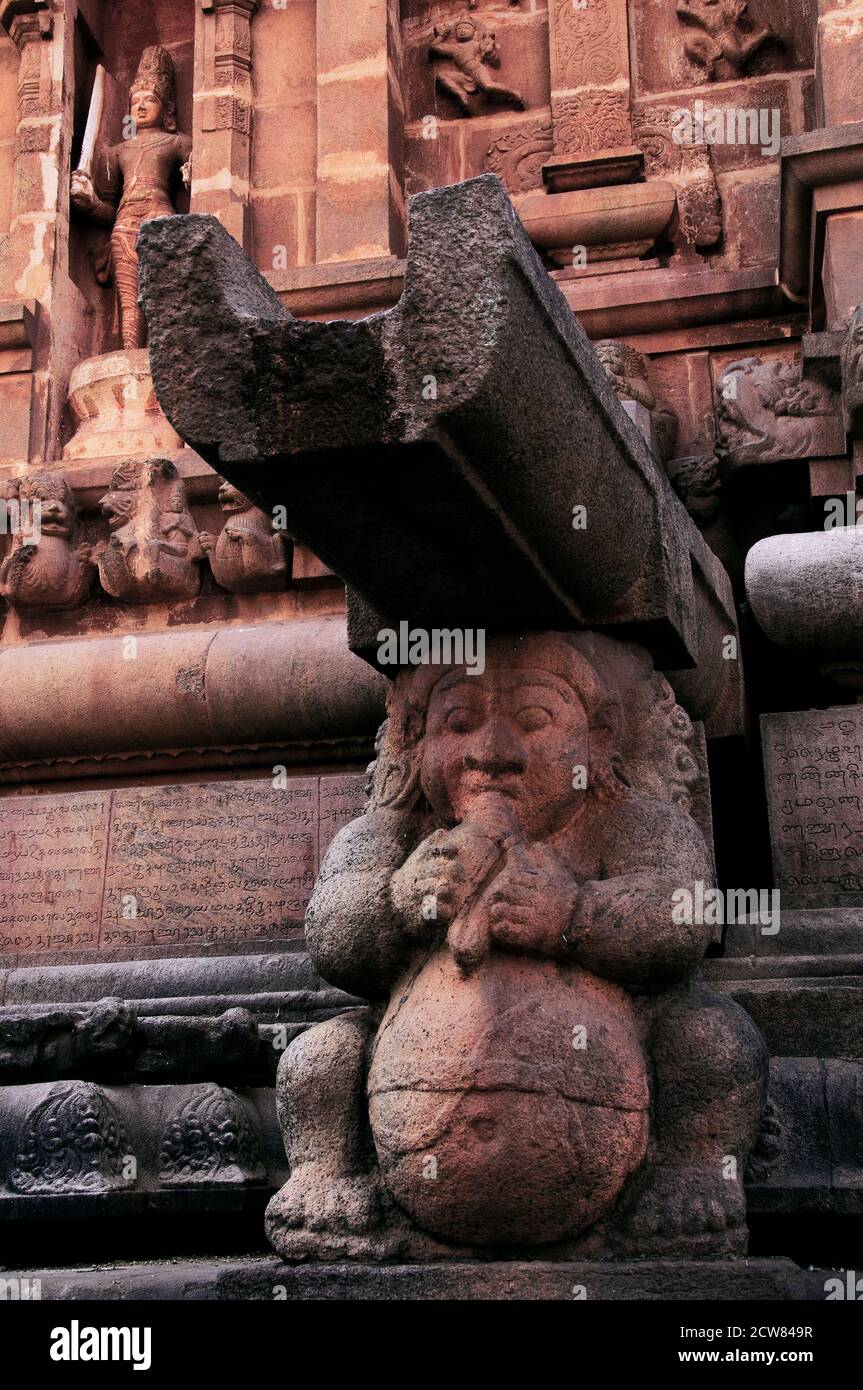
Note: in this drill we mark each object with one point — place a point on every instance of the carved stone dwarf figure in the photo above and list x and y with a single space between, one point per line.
155 550
538 1068
137 183
46 566
248 555
729 39
463 50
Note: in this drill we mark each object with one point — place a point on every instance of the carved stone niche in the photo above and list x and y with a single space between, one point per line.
465 54
507 901
115 410
45 567
766 411
155 549
248 556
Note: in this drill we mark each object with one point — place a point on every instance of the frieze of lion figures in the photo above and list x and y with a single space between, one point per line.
154 551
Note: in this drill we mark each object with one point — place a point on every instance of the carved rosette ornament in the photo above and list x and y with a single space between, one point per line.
73 1142
538 1075
517 157
211 1140
464 52
46 566
155 549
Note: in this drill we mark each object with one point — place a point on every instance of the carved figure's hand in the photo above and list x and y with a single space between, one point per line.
85 554
83 194
429 889
206 541
532 901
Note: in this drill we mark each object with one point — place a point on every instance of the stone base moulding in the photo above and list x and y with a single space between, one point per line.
276 683
263 1279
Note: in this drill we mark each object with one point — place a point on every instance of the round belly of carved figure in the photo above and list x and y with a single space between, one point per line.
508 1106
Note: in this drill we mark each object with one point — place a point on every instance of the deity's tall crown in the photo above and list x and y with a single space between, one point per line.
155 74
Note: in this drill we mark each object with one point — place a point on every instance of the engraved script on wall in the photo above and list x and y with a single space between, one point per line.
814 771
166 865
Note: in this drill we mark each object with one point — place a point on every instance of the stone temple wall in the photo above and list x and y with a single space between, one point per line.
187 720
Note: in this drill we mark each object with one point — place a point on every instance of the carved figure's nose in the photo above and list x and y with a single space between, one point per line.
495 751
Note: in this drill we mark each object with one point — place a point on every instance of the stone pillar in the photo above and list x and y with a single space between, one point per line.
27 273
589 75
360 199
222 126
837 61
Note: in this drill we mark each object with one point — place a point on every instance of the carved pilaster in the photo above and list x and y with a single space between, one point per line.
589 75
223 113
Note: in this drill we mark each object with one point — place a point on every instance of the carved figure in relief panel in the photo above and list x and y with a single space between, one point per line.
729 38
248 556
46 566
540 1065
626 369
463 50
155 549
767 411
137 183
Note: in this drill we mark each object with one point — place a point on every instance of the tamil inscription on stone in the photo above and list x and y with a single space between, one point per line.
167 866
814 769
52 864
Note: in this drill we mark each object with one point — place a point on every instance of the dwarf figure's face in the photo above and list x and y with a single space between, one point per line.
514 732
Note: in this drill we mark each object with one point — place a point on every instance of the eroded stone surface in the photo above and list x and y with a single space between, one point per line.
507 897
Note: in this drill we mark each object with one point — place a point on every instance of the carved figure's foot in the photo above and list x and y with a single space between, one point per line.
678 1208
319 1216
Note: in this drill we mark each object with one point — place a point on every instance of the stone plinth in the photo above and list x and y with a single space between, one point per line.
116 413
186 689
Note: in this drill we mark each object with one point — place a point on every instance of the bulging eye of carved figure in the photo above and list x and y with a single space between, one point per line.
533 718
462 719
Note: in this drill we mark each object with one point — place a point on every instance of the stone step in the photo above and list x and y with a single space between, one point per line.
266 1278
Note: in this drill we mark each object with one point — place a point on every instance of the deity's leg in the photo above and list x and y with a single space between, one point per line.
133 329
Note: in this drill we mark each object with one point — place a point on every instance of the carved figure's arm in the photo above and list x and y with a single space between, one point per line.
356 938
623 927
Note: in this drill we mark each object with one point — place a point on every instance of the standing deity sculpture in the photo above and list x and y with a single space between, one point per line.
136 183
